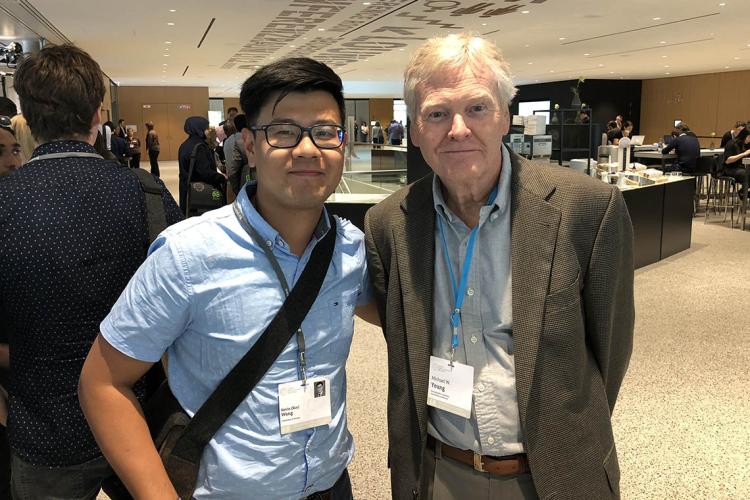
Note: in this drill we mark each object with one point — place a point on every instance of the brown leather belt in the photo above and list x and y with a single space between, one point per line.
500 466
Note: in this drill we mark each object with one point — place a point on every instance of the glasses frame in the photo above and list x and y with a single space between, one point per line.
264 128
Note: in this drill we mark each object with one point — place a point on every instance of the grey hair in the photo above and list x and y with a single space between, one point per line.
456 51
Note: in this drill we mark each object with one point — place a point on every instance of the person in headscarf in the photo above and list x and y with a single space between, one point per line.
205 168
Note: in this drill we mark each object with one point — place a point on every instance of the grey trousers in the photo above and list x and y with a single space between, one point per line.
448 479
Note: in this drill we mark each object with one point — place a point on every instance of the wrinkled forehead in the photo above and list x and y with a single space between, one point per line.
456 83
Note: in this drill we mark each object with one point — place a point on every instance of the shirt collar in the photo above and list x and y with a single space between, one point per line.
61 146
502 201
266 231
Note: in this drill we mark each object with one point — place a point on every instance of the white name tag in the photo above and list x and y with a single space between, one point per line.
450 387
304 406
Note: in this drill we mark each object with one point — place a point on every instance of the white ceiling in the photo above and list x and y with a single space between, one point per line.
368 43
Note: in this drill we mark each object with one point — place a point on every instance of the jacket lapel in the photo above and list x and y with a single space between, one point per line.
415 256
534 228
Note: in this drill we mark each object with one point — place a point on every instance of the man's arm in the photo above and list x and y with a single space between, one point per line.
117 422
376 270
369 312
608 295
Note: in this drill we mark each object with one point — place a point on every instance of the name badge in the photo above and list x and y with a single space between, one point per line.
304 406
450 387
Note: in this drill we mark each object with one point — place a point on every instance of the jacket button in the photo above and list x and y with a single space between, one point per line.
415 493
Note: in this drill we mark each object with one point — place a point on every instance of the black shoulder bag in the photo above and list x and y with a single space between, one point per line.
201 196
180 440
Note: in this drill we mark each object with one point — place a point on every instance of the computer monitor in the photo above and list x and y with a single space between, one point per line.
637 140
667 138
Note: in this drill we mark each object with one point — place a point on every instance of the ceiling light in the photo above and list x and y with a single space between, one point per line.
663 57
552 71
561 38
666 66
166 48
722 4
365 3
165 64
531 63
611 72
586 54
525 12
291 46
484 24
667 73
401 50
170 24
736 58
167 42
726 67
662 42
601 65
656 18
321 29
527 45
172 10
166 55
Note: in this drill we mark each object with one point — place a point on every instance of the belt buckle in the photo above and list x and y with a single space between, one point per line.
478 465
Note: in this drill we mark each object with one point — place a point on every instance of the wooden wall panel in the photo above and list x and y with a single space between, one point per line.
709 103
381 110
167 107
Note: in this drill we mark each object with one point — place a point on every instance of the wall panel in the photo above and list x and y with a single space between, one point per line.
167 107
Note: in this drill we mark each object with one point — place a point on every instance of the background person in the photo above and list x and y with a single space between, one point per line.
204 169
730 134
734 151
377 133
85 237
545 324
134 149
686 146
11 156
153 147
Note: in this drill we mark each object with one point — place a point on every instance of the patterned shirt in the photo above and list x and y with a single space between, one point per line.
205 295
72 233
486 335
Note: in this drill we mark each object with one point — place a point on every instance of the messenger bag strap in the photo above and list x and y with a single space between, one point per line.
193 154
156 217
258 360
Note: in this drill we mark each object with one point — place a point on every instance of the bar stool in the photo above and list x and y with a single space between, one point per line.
703 168
725 196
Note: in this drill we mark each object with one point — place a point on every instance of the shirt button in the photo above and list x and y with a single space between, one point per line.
269 243
481 389
470 292
474 339
493 217
491 440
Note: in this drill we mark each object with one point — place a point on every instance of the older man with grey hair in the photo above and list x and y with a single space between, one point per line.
505 288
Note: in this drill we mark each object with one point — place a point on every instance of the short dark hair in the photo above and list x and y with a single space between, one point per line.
611 125
296 74
7 107
229 110
683 127
240 122
60 88
740 124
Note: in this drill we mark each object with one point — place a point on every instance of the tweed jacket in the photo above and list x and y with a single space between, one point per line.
572 296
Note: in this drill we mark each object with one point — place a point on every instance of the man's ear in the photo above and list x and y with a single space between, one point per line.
248 138
96 120
414 133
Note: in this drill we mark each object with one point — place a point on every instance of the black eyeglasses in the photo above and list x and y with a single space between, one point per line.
288 135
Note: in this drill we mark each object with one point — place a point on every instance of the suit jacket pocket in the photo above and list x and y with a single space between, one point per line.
562 298
612 468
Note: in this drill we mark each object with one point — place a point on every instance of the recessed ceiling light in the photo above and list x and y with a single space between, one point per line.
736 58
656 18
401 50
530 63
601 65
484 24
257 66
165 64
170 24
561 38
525 12
172 10
166 55
667 73
167 42
365 3
291 46
667 66
663 57
552 71
611 72
321 29
726 67
586 54
527 45
166 48
722 4
662 42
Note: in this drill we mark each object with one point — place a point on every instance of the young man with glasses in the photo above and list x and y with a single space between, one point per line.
209 289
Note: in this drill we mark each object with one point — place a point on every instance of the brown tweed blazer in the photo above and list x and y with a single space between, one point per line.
572 265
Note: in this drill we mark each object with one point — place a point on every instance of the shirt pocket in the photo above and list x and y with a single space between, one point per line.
341 310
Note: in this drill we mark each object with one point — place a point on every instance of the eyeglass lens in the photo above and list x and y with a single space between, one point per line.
288 135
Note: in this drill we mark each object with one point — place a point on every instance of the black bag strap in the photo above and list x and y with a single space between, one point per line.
155 214
258 360
193 154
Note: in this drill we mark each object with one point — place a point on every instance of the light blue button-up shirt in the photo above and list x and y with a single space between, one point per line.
486 335
204 295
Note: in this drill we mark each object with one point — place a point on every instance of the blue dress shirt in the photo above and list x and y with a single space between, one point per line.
205 295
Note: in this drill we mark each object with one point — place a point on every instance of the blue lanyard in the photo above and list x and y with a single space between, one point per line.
459 291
